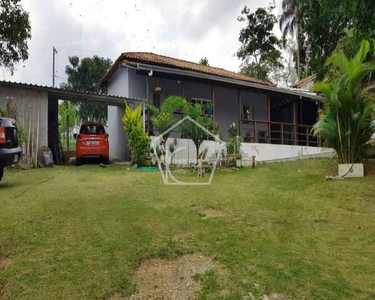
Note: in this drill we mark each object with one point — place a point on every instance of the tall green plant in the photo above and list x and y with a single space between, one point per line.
138 140
346 121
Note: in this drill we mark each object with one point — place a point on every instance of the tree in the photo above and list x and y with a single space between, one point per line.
361 16
321 26
67 109
191 130
85 75
291 23
204 61
162 118
346 121
259 51
15 30
286 75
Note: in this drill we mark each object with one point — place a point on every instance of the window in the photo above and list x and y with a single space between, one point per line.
92 129
206 105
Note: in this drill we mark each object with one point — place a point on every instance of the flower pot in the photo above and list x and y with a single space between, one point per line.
148 161
238 163
351 170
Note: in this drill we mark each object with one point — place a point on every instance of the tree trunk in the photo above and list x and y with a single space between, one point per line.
298 52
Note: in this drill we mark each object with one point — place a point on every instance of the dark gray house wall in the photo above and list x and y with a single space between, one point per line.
226 99
226 109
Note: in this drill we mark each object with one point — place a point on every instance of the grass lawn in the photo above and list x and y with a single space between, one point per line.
72 144
81 233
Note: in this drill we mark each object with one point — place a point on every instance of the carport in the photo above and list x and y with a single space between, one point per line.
37 111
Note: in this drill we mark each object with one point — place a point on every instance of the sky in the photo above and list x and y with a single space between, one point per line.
185 29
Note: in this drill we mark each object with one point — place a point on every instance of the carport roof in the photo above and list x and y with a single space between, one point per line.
72 95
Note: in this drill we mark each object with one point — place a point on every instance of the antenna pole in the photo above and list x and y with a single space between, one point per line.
54 52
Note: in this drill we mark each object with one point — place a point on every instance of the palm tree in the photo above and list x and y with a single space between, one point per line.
291 23
346 121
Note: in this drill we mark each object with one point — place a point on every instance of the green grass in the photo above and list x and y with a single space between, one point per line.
80 233
72 144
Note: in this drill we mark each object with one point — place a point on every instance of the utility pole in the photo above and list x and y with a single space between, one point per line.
54 52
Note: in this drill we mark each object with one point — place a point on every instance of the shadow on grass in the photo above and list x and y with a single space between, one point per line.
8 185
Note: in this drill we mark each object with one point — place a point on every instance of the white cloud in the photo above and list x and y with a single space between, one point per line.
185 29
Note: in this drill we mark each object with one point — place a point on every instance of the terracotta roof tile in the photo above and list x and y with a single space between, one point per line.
303 81
173 63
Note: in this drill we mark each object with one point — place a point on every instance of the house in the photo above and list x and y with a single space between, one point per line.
304 83
265 115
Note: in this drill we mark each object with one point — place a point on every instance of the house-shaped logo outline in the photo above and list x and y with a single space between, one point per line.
167 174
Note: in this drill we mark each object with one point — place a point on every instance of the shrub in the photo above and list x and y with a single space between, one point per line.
138 140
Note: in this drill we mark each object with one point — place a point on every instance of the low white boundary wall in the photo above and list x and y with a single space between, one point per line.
188 155
271 152
262 152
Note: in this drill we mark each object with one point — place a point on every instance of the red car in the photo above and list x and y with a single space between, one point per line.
92 142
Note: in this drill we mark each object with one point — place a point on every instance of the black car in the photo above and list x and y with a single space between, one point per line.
10 151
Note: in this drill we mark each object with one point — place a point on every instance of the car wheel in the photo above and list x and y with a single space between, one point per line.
1 173
78 162
105 160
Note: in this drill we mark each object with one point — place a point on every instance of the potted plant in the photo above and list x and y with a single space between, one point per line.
209 108
239 160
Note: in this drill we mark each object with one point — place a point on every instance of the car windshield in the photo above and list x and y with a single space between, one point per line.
92 129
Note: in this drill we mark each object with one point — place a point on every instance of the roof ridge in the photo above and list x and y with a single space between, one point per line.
183 60
255 80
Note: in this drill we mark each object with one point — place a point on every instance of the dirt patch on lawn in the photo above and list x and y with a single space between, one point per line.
5 259
4 262
171 279
212 213
183 238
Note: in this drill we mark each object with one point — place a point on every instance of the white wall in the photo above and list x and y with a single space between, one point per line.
119 86
118 149
137 85
262 152
268 152
188 154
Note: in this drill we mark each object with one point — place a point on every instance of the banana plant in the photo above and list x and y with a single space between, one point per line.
346 119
